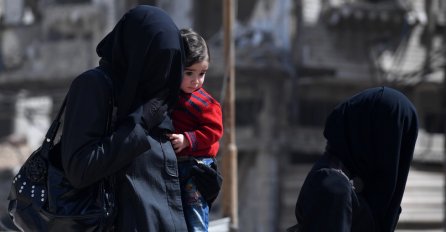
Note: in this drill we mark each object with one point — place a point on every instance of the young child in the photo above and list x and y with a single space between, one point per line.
197 119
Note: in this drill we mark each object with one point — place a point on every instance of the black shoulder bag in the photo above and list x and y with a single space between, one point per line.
41 199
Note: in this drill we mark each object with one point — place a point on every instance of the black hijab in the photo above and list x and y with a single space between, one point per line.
144 51
374 133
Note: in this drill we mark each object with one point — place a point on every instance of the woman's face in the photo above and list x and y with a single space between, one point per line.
193 76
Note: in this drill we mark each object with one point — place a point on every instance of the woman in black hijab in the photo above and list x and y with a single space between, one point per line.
358 184
142 56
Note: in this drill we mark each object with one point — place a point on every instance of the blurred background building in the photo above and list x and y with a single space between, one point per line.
295 60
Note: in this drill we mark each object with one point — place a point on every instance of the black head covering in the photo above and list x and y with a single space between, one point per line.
374 133
145 53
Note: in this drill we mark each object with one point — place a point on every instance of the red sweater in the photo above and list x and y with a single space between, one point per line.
198 116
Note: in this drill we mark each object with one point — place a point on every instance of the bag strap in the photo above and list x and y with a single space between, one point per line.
52 131
48 143
110 124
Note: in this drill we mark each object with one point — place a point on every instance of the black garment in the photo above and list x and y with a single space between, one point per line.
144 51
372 135
328 201
144 163
208 180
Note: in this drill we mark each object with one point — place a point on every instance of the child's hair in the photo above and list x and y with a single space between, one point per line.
196 49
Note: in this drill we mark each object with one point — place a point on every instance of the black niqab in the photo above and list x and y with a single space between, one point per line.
145 53
373 133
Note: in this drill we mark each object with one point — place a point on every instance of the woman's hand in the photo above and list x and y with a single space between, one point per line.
154 109
178 141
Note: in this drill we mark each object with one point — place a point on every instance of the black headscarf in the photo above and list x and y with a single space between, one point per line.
144 51
374 133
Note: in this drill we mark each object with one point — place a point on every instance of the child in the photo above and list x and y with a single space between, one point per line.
197 119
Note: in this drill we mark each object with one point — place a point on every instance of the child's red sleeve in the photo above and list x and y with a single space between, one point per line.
209 131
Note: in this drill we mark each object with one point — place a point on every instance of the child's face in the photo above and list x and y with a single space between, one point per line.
193 76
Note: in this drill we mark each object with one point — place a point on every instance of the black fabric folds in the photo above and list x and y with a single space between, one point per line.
371 138
143 56
374 133
145 52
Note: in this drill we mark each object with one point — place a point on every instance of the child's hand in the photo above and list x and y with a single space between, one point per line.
178 142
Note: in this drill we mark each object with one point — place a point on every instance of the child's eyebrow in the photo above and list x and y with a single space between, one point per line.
191 69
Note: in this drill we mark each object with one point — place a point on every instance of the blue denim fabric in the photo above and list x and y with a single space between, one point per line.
196 210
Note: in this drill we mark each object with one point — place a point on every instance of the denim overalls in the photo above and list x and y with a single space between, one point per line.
196 210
